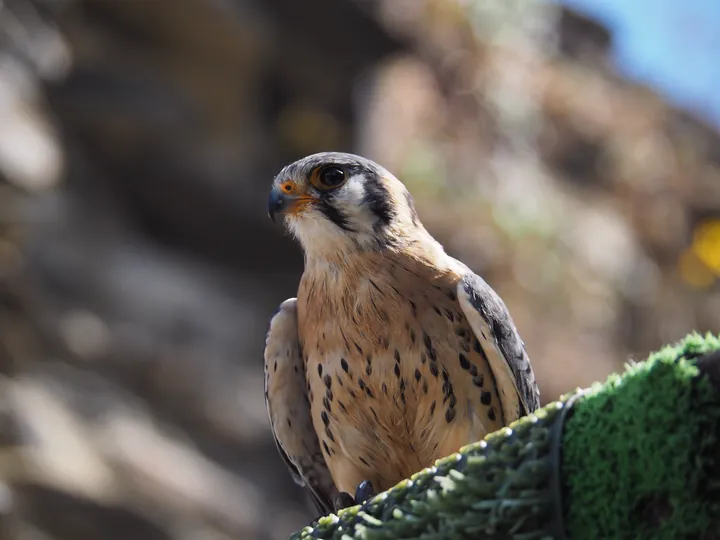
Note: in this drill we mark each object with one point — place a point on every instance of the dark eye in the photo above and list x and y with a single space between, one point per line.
330 177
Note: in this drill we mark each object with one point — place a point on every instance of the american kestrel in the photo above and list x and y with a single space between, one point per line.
394 354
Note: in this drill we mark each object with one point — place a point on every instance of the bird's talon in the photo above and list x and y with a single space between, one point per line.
364 491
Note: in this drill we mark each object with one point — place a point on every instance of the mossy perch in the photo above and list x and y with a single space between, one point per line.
631 458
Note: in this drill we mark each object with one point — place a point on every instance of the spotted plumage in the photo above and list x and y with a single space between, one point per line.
421 352
286 399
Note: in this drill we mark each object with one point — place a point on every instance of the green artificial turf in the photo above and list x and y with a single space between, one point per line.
638 461
637 452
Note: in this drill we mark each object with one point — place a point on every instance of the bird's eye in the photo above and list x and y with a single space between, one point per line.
328 178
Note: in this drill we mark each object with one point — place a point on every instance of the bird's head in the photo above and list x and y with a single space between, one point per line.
338 202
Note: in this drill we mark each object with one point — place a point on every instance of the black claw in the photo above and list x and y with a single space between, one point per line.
364 491
343 500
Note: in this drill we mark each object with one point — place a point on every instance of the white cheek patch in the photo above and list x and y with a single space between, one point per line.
352 193
316 233
351 202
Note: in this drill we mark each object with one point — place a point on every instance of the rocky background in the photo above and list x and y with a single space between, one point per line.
138 268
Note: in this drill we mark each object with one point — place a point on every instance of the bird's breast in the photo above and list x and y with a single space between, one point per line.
394 379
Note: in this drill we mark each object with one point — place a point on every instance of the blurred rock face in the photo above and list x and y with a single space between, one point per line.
138 265
138 269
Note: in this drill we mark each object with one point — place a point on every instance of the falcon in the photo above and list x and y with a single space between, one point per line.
394 354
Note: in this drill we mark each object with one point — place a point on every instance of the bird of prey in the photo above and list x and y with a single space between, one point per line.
393 354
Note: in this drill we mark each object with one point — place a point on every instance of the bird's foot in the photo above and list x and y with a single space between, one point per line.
364 491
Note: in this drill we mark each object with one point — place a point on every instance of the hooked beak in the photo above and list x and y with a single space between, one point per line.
281 203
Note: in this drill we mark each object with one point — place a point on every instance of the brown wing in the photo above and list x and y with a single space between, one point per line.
494 328
289 409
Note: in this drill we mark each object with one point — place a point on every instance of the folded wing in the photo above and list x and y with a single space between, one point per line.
289 409
494 328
